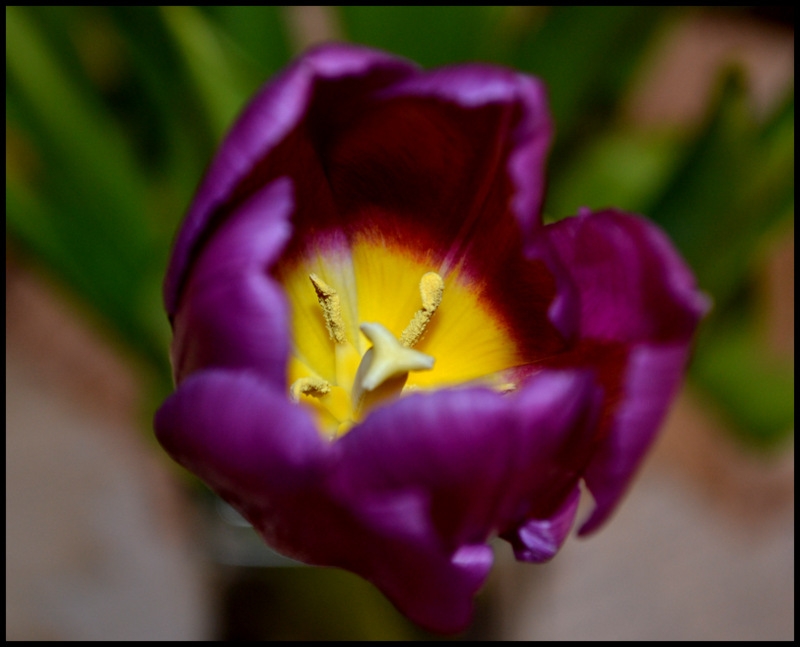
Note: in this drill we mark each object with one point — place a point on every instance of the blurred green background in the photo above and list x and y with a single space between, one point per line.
113 113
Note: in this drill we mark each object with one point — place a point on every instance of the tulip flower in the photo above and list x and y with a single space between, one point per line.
383 358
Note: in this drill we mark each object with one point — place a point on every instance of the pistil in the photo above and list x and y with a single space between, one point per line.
387 358
384 368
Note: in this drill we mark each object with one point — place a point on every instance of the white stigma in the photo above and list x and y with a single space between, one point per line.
387 358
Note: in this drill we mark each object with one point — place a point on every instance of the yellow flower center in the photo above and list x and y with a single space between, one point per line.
384 368
373 323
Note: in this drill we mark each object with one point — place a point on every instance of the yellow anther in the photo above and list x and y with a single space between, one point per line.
387 358
431 288
331 308
313 386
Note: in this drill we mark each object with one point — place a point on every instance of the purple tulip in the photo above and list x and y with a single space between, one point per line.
384 358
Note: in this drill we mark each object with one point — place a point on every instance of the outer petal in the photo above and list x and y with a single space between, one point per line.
651 380
633 284
246 441
538 540
409 499
232 313
265 456
528 127
480 462
267 120
390 540
639 309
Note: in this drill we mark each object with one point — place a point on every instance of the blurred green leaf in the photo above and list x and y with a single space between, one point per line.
86 219
73 132
221 73
735 181
754 386
112 113
258 31
430 36
623 168
162 110
587 57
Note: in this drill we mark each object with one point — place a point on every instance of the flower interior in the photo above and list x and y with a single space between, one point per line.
372 321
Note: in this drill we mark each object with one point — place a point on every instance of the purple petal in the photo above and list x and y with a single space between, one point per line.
265 457
633 284
232 313
538 540
436 475
639 309
371 144
390 541
265 122
653 375
527 119
488 462
241 436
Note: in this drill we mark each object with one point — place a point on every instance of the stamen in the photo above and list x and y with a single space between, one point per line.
387 358
331 308
431 288
313 386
